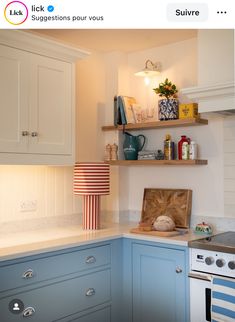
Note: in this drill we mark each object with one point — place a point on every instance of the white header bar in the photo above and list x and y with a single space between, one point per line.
119 14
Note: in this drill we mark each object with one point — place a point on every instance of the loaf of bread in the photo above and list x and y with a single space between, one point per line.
164 223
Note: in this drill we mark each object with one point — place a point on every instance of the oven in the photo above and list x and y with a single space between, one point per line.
210 258
200 297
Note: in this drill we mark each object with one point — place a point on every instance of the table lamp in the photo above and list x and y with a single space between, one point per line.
91 180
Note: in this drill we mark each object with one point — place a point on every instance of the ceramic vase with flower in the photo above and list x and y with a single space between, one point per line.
168 107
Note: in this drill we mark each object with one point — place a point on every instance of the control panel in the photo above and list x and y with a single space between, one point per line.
212 262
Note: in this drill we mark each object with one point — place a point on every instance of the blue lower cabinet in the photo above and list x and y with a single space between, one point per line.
86 285
122 280
159 284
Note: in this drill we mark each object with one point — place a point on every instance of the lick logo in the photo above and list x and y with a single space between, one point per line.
16 12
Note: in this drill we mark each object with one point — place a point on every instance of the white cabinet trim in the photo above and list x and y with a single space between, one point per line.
214 98
45 46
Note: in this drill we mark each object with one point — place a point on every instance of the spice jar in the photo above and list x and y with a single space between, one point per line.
107 155
114 149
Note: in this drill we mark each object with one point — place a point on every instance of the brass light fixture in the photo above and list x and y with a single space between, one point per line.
150 70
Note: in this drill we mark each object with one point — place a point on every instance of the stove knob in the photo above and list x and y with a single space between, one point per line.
231 264
209 260
220 262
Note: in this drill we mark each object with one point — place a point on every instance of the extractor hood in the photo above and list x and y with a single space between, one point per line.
217 98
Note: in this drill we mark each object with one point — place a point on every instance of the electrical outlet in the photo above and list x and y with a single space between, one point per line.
28 205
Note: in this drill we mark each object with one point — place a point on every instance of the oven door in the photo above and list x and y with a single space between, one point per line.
200 297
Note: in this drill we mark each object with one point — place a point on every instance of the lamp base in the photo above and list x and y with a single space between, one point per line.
91 212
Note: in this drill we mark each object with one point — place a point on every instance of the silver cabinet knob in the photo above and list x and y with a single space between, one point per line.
90 260
90 292
28 274
34 134
25 133
29 311
178 270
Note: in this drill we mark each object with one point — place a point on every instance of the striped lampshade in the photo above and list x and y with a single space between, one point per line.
91 178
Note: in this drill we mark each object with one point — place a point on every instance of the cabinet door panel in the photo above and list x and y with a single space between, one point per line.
50 106
14 102
158 291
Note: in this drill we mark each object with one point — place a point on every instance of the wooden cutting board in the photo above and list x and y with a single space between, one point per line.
176 203
155 233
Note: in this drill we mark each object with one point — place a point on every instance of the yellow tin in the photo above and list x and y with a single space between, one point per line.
188 110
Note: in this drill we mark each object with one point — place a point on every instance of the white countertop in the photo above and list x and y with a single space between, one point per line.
14 245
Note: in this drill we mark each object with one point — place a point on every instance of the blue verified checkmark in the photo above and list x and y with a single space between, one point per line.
50 8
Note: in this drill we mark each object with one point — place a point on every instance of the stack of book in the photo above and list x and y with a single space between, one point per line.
123 113
126 110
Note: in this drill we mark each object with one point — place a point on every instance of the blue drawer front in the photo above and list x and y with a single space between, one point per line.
61 299
103 315
11 276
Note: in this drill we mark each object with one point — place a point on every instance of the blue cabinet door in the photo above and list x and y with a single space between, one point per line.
159 284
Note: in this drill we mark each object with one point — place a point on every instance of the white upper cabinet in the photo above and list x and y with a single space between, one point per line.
37 109
50 117
14 106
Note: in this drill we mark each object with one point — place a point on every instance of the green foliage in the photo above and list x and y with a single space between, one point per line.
166 89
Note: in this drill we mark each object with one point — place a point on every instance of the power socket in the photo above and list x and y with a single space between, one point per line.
28 205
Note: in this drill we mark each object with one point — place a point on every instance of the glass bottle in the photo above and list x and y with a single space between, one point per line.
168 148
193 151
180 144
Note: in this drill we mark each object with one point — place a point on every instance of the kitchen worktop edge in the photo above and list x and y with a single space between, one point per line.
40 241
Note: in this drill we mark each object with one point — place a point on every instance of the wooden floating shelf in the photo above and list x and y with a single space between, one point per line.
157 162
157 125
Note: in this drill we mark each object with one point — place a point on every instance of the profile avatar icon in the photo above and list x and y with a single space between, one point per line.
16 307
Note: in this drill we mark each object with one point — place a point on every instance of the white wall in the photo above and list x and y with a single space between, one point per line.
90 109
51 187
179 64
229 166
215 56
205 181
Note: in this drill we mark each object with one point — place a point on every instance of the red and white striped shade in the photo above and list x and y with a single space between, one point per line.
91 178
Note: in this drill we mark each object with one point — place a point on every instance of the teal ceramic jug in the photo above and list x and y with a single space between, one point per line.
132 145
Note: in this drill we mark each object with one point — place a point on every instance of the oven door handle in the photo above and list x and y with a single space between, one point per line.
204 277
